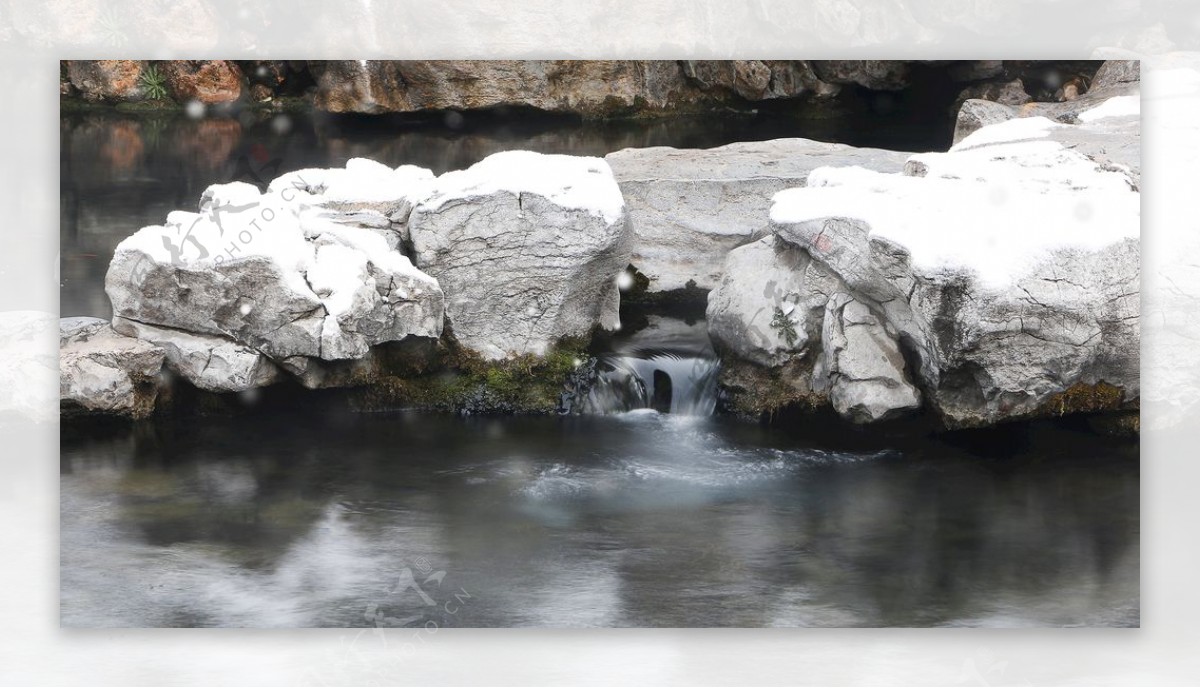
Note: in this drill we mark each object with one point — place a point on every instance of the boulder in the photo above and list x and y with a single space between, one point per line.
205 81
997 281
270 273
1116 75
690 208
861 365
209 362
101 371
527 248
107 80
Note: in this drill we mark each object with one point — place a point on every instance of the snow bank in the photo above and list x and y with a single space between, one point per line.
570 181
1119 106
994 211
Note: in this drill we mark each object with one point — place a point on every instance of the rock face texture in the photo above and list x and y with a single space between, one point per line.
592 88
257 276
101 371
107 80
993 103
994 282
690 208
527 247
205 81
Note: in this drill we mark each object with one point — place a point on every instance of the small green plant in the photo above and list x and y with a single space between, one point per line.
783 324
153 83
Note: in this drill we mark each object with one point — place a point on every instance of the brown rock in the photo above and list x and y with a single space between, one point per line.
877 75
260 93
592 88
106 80
206 81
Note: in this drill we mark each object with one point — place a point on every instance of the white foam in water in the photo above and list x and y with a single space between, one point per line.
628 385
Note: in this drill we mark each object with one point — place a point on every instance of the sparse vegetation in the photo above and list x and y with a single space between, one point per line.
783 324
154 83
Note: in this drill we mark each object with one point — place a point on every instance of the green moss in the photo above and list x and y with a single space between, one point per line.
461 380
754 391
1085 398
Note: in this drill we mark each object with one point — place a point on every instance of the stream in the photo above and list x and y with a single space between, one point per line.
647 509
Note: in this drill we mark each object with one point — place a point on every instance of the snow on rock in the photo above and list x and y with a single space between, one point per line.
269 273
689 208
954 216
1119 106
567 181
1006 271
527 248
101 371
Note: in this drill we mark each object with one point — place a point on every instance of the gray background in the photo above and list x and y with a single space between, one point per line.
34 36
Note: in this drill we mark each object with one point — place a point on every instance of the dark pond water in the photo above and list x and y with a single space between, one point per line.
311 518
638 519
121 172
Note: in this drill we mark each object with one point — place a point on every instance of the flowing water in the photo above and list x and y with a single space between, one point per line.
648 510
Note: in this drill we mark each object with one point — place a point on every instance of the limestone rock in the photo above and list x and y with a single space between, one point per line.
690 208
272 273
861 364
104 372
213 363
527 248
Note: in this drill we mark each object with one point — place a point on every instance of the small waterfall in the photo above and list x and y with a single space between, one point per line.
669 367
685 386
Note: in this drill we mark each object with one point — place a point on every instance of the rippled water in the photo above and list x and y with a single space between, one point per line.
639 519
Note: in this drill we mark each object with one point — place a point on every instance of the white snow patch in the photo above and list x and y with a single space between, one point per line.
1020 129
584 183
336 276
994 211
1118 106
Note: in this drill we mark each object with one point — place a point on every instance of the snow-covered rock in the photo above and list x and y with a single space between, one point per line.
271 273
1006 271
527 248
690 208
101 371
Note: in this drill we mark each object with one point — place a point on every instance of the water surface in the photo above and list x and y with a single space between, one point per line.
636 519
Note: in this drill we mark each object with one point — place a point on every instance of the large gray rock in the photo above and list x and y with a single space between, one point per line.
272 274
101 371
213 363
770 304
527 248
1033 312
690 208
861 364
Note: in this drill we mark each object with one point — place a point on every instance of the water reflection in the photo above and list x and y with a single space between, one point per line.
640 519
